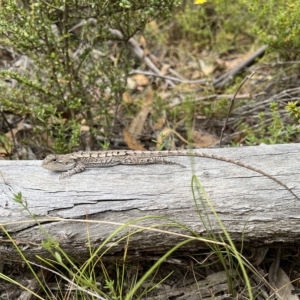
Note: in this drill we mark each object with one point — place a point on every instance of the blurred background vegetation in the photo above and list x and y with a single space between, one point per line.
95 75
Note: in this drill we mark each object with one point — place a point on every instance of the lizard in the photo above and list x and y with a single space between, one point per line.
77 162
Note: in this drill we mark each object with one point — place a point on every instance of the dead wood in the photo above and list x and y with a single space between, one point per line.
248 203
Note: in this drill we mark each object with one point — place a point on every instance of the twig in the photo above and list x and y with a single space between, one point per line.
138 51
223 80
231 105
220 82
177 101
204 80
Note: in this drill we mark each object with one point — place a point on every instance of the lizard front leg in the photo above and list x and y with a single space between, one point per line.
79 167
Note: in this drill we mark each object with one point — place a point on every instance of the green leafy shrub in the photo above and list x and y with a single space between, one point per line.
275 132
73 61
216 24
277 24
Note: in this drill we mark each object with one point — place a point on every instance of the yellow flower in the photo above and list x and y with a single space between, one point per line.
199 1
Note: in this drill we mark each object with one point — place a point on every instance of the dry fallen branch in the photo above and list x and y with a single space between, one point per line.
251 206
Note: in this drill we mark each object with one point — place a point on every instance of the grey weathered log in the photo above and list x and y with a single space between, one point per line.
248 203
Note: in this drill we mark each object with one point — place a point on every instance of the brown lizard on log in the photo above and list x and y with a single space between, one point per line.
77 162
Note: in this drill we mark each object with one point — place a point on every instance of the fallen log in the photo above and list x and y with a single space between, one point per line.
86 208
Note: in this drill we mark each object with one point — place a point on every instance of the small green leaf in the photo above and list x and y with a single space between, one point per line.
58 257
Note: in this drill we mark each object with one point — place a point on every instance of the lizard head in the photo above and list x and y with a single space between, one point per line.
58 162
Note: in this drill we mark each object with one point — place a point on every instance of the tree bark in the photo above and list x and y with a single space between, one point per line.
86 208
